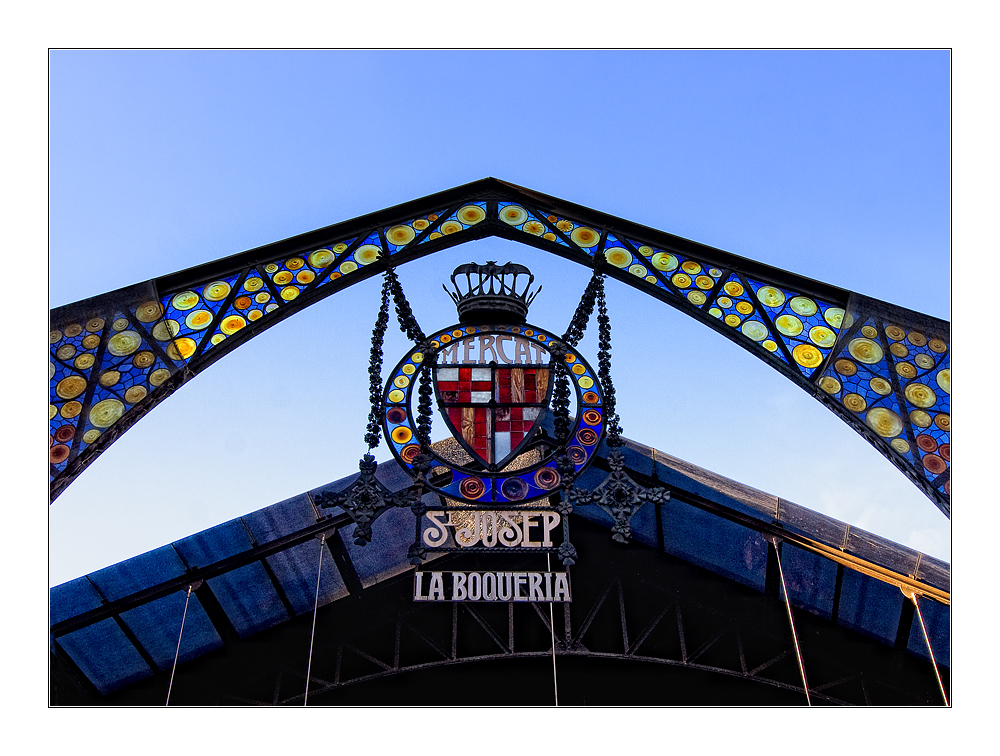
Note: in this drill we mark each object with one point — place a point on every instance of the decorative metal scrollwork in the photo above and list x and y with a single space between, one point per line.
364 500
619 496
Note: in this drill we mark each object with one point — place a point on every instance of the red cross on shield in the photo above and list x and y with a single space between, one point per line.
492 391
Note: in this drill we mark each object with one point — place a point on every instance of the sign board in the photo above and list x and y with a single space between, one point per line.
537 587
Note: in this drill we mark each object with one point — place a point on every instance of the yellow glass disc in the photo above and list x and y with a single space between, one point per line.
789 325
834 316
822 336
884 422
920 395
232 324
855 402
584 237
618 257
807 355
803 306
944 380
880 386
769 296
400 235
664 261
829 384
216 292
185 300
865 350
105 413
401 434
515 215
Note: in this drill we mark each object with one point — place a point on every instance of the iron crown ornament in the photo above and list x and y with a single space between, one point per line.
493 376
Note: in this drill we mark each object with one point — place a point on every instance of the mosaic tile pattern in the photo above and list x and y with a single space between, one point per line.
107 368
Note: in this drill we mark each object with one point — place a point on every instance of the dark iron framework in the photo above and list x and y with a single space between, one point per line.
883 369
699 638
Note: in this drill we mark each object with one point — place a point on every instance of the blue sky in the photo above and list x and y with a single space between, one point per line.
834 165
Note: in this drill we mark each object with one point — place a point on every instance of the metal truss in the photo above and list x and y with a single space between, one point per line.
115 356
629 620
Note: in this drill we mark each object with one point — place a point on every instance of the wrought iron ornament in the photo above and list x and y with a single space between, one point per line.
367 498
497 381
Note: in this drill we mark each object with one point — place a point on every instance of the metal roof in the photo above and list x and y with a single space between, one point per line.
120 624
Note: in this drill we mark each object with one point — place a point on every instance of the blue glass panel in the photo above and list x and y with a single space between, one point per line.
519 217
364 254
463 218
105 656
387 554
399 236
188 317
157 625
72 598
708 541
869 606
248 598
811 579
937 618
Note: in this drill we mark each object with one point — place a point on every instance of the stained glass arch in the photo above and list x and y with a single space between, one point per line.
883 369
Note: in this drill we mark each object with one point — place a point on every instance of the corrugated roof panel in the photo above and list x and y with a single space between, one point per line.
248 598
216 543
811 579
157 625
281 519
937 618
592 513
869 605
716 544
644 525
105 656
72 598
296 569
138 573
387 556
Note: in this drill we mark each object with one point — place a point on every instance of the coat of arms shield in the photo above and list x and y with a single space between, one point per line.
492 391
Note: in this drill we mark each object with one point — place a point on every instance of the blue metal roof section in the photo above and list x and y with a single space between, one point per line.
253 587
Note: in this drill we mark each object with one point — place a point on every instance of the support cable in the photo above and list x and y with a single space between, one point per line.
552 628
791 623
177 653
912 595
312 635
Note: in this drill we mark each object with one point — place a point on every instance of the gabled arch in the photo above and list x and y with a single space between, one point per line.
883 369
